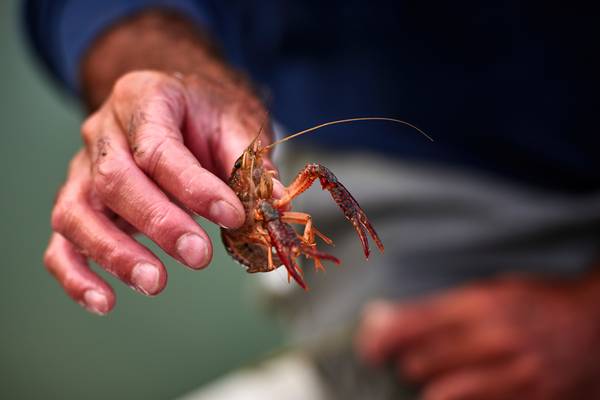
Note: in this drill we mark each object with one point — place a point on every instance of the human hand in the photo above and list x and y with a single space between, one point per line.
158 149
507 339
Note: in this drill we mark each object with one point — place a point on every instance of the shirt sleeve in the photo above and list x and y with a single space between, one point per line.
60 31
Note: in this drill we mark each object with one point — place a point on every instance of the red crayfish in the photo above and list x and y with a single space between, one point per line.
266 240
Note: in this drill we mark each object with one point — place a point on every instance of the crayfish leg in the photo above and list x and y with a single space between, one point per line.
323 237
309 229
319 255
318 265
349 206
288 244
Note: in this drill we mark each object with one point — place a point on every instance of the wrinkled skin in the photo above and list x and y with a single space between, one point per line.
507 339
155 152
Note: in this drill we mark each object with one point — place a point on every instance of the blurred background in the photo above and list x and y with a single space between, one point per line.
204 324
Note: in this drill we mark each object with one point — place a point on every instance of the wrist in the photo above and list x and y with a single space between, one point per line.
153 40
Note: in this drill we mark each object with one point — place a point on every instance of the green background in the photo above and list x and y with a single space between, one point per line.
204 324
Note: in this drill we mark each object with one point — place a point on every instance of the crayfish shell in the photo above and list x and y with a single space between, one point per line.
253 257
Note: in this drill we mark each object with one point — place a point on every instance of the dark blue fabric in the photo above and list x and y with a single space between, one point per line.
505 87
62 30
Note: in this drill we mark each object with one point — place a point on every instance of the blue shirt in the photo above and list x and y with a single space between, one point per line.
507 88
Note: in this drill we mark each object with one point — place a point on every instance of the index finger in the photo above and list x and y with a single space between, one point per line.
387 328
152 122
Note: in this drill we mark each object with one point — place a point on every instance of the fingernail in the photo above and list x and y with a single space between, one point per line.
95 302
224 214
378 314
145 278
193 250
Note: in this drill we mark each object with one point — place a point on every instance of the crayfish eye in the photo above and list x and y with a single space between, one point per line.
238 163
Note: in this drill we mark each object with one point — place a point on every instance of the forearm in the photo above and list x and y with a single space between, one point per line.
157 40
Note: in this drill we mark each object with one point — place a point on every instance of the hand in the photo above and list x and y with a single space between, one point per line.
508 339
158 149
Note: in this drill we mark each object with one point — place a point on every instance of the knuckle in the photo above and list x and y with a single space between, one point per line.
193 183
50 259
78 161
123 86
108 254
57 218
132 84
90 127
164 99
110 172
156 219
149 152
142 82
71 281
65 273
62 214
157 85
160 83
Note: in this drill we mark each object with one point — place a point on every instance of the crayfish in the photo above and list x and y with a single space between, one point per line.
266 240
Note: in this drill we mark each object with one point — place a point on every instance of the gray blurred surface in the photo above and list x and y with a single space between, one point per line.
203 325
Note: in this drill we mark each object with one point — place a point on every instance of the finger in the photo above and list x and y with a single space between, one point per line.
126 190
270 166
386 328
503 381
158 149
74 275
99 238
241 131
458 348
278 192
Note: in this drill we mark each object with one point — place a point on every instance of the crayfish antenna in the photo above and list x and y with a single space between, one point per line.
343 121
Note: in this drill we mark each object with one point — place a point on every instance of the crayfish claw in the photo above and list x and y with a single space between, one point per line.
349 206
290 265
362 236
351 209
362 226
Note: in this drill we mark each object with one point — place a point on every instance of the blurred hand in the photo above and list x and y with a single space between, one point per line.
157 150
509 339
